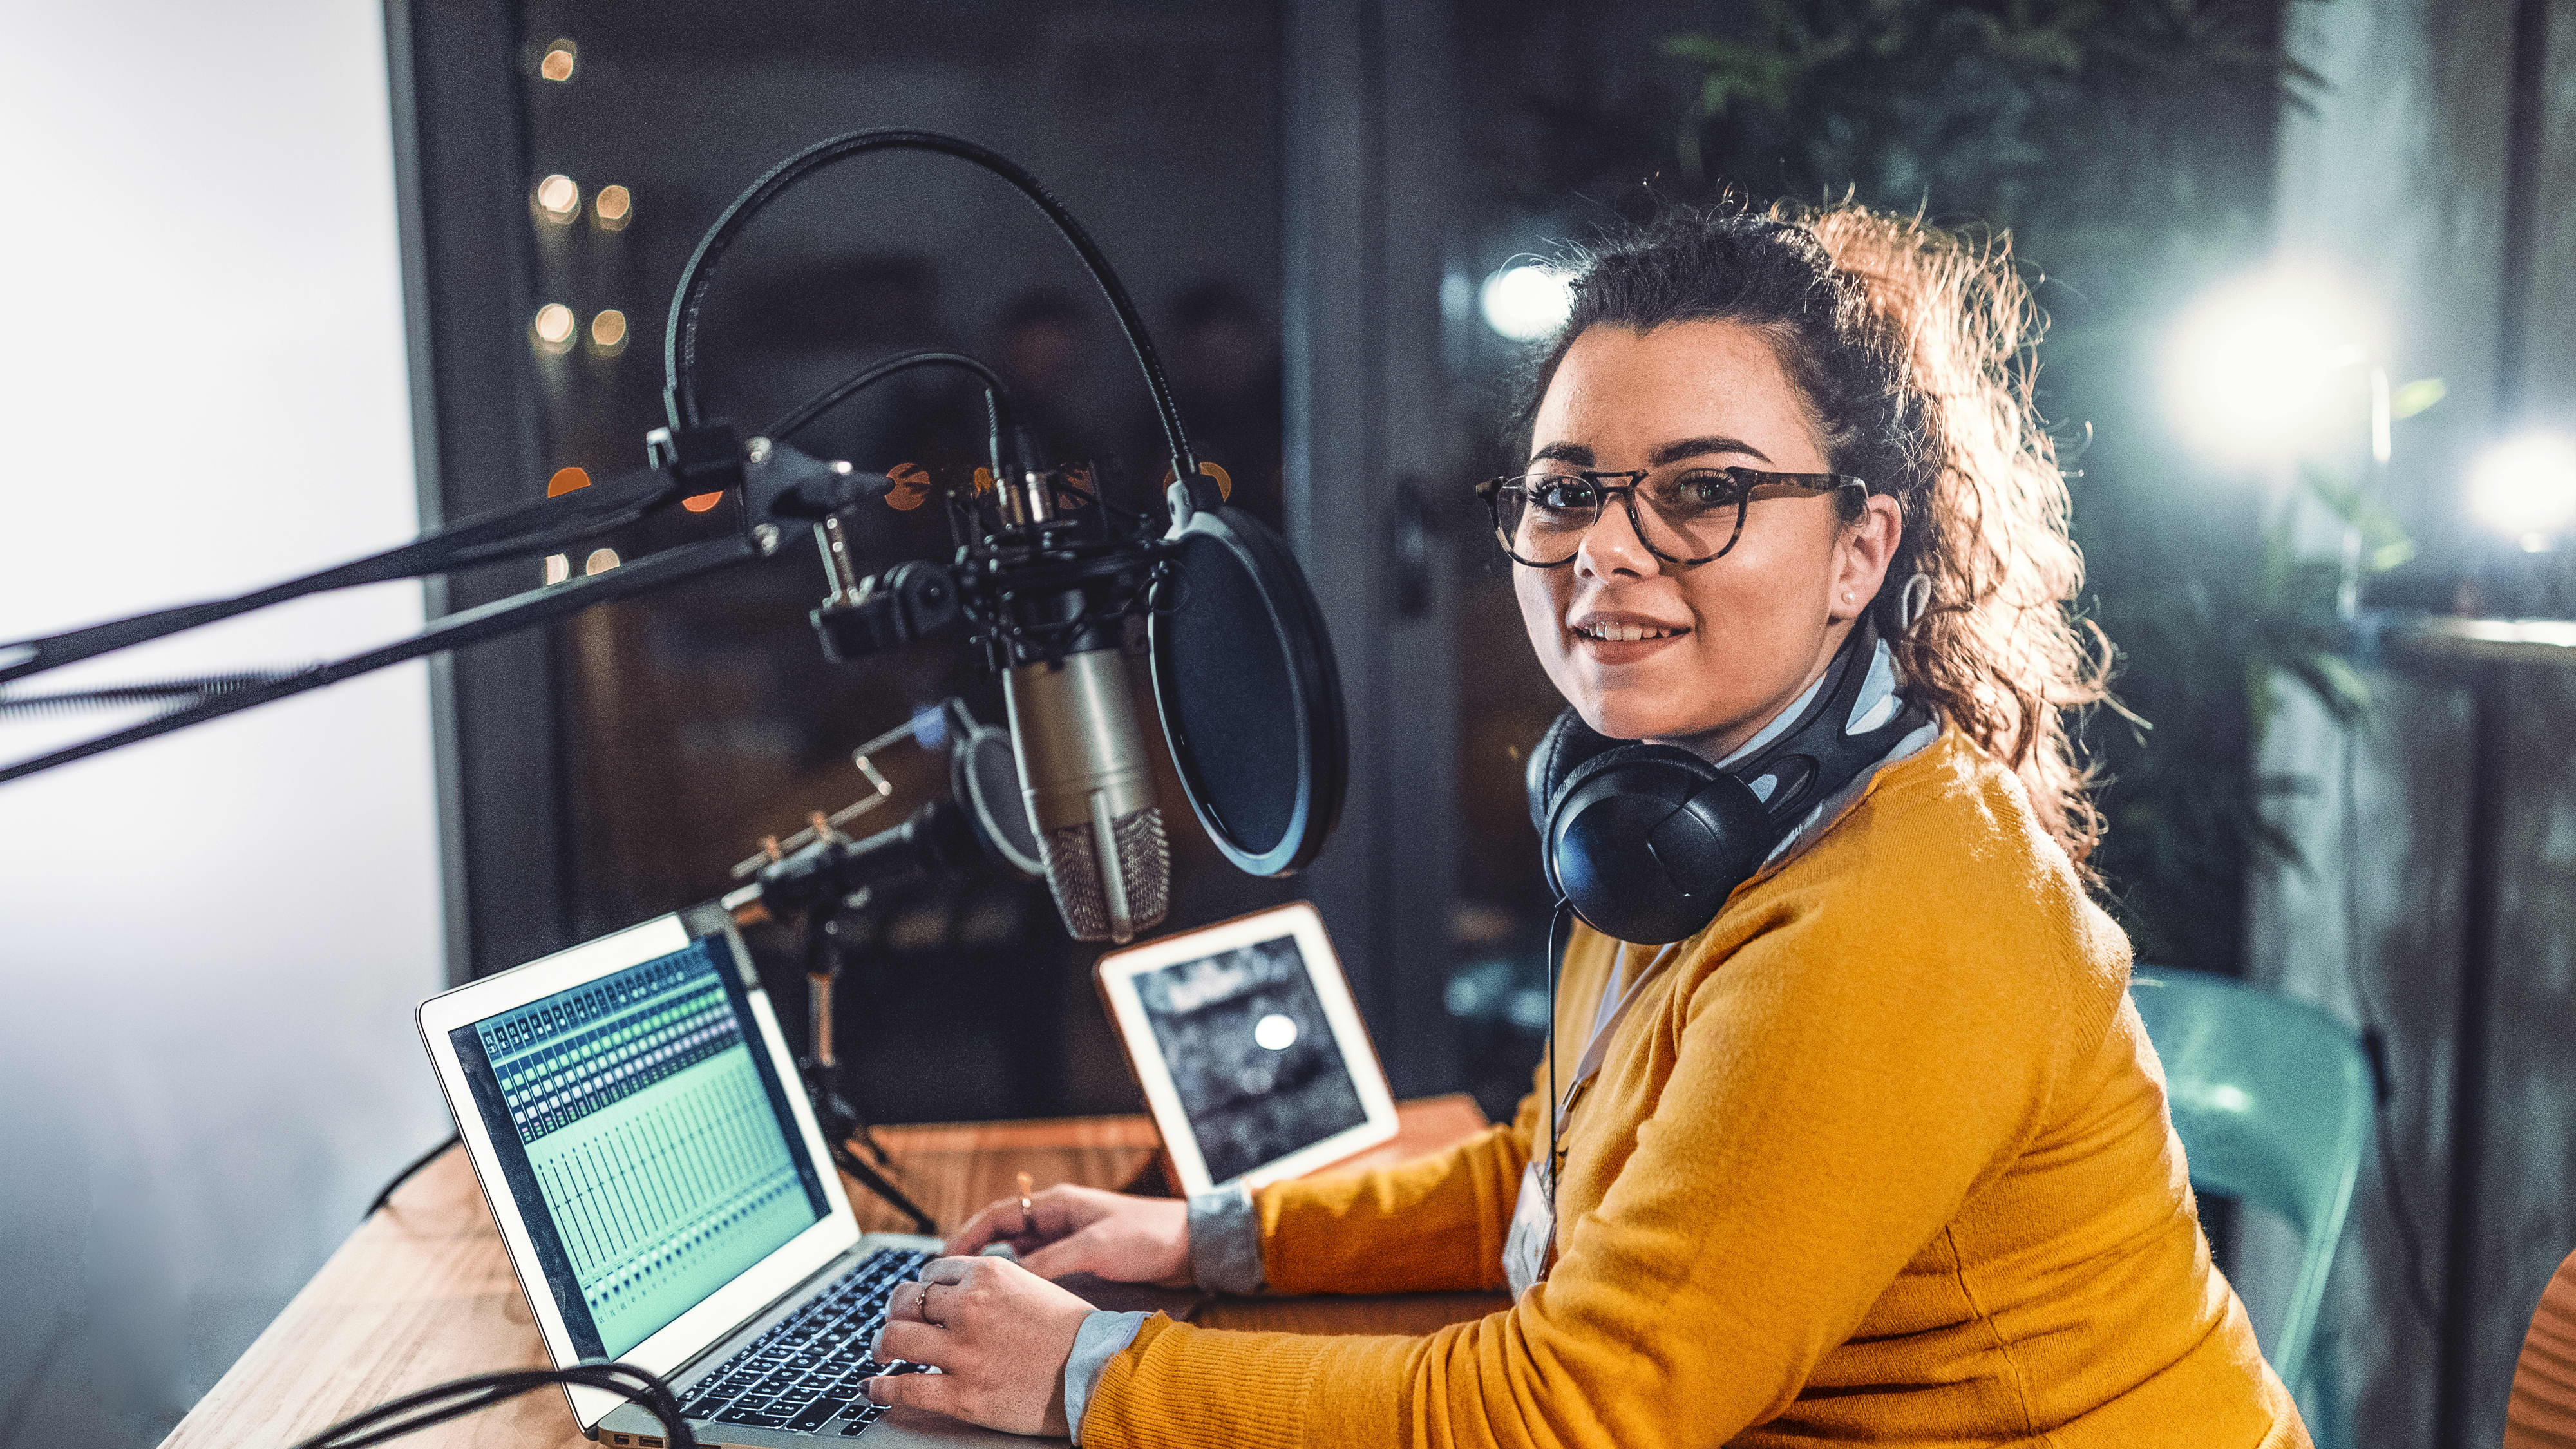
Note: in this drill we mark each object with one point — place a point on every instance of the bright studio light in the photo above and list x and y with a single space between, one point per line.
2525 487
552 330
558 199
1526 301
2252 372
613 208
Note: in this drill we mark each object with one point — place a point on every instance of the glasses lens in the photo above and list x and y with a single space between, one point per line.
1688 516
1692 514
1542 516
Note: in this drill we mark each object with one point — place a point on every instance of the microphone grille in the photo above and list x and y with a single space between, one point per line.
1144 863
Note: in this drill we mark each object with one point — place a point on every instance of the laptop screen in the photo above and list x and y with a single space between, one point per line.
646 1137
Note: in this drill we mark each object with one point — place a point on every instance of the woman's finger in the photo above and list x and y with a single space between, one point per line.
999 1221
953 1269
935 1392
904 1303
1080 1253
1050 1214
909 1340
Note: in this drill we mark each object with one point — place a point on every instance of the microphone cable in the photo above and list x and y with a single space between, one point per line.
458 1397
2374 1037
997 395
680 335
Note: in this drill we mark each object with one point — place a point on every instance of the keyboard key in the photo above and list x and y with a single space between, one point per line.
817 1414
752 1419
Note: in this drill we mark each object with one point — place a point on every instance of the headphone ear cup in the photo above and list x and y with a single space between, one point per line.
1647 841
1568 743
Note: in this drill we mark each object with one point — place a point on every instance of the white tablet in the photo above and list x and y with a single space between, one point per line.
1252 1056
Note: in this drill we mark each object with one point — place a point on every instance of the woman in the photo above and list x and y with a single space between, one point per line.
1879 1154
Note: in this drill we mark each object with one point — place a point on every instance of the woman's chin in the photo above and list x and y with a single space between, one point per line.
1632 719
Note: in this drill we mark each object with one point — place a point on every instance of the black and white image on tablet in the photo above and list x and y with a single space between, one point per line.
1251 1054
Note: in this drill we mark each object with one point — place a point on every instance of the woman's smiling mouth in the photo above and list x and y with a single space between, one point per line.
1614 640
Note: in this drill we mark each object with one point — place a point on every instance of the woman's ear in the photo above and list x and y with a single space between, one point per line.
1861 559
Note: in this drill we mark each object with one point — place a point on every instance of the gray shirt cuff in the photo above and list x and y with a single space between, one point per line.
1225 1240
1102 1337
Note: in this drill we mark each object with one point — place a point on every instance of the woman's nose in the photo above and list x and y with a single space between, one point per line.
1611 546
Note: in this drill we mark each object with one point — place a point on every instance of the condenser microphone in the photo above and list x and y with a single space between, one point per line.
1090 790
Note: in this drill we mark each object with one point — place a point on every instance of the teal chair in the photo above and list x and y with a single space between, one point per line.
2272 1100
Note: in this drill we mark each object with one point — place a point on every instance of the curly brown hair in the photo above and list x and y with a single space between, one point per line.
1914 348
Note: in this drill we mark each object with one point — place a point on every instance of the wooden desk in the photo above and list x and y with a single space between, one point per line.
422 1292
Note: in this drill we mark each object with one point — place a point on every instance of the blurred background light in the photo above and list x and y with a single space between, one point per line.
601 560
558 567
2525 487
551 330
1457 296
557 63
2252 368
565 481
701 502
1526 301
608 333
613 208
558 199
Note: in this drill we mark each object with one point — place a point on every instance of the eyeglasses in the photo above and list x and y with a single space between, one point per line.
1692 515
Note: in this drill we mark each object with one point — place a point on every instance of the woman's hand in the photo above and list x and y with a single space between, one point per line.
997 1333
1084 1230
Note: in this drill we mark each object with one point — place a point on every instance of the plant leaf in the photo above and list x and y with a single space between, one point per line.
2414 397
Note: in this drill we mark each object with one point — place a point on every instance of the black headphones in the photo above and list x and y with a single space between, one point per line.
1646 841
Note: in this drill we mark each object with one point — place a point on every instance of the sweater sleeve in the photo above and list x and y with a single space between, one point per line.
1419 1227
1841 1084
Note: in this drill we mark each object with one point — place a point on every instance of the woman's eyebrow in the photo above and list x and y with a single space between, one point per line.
1582 457
1696 447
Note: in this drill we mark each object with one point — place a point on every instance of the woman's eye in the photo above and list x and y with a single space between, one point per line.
1703 491
1565 496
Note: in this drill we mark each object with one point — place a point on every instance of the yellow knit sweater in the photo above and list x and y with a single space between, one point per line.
1881 1156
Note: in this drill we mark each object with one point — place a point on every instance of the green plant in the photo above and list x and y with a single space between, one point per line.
2203 662
2019 112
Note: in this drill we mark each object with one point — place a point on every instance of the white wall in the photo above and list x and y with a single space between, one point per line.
209 945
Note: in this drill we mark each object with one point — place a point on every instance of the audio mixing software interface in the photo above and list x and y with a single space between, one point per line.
646 1137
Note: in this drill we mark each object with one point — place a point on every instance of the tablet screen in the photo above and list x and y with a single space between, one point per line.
1251 1054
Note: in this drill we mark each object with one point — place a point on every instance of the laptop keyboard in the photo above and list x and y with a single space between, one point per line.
806 1371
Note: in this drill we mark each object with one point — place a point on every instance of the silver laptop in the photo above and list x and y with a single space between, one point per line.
634 1116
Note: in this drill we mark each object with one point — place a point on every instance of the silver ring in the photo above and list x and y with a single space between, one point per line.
923 1308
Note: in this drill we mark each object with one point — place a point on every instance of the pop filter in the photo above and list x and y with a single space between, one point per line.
984 774
1250 699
